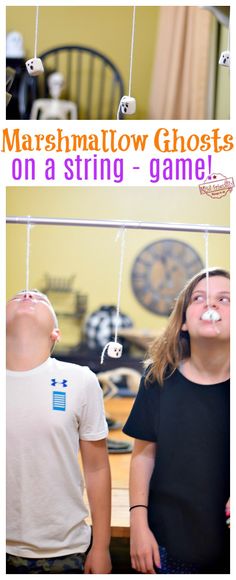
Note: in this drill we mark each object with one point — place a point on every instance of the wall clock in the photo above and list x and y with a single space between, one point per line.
160 272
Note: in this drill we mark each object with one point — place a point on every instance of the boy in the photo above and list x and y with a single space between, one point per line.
53 410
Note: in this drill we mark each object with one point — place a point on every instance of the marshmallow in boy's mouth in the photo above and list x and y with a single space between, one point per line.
211 315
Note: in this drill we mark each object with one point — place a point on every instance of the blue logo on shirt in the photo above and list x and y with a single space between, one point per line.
54 382
58 401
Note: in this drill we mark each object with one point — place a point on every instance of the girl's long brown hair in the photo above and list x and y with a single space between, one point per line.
168 350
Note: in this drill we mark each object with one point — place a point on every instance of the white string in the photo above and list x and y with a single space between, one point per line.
132 51
27 255
121 234
36 31
103 352
207 267
209 314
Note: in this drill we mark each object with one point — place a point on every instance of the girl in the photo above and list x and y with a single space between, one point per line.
179 477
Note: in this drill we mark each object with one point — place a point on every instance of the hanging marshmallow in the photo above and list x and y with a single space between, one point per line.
224 59
128 105
114 350
211 315
34 65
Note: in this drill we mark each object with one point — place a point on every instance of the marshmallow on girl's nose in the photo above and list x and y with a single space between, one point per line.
211 315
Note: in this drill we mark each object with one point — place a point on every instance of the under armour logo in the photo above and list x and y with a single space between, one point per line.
54 382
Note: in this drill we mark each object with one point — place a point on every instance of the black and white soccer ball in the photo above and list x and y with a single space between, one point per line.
100 327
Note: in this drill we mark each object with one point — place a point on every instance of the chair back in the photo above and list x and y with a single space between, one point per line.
92 81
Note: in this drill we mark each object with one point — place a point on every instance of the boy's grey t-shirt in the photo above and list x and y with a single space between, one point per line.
49 409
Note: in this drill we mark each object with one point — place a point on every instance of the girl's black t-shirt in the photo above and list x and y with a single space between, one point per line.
189 487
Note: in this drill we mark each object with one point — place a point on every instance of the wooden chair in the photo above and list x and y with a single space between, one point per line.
92 81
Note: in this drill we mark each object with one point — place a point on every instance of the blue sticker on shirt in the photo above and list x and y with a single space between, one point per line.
63 383
58 401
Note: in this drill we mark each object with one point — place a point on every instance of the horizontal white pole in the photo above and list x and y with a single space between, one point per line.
131 225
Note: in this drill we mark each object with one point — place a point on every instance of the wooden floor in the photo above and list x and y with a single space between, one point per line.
118 408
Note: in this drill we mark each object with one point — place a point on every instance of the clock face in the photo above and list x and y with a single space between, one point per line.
160 271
